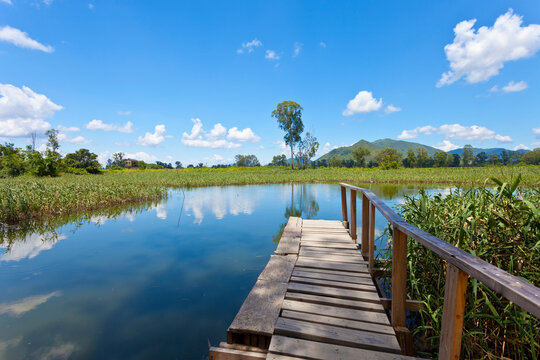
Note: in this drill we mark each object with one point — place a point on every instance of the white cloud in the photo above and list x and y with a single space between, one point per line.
6 2
412 134
250 46
199 138
456 132
141 155
536 131
282 146
124 113
22 111
91 6
242 135
159 136
100 125
297 48
515 86
479 55
217 131
363 102
446 146
521 147
21 39
63 137
68 129
322 44
271 55
391 109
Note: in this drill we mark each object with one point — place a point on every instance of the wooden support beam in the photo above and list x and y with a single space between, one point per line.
365 226
453 312
372 239
399 291
353 215
344 207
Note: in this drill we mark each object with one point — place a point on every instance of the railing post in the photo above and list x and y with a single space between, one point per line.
399 291
372 239
352 224
365 226
453 312
344 206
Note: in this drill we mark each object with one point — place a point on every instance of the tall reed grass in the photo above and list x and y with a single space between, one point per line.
26 198
500 225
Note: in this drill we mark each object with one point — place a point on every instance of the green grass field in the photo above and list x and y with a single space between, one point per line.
29 198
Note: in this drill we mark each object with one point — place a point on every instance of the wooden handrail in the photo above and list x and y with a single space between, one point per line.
461 265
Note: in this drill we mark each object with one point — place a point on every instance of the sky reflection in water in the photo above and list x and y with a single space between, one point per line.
159 280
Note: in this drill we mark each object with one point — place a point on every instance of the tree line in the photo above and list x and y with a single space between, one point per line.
390 158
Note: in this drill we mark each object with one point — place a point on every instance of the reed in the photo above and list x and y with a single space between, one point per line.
500 225
28 198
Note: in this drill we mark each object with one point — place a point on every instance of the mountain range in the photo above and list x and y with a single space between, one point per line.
344 152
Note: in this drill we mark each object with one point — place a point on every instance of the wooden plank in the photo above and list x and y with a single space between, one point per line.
337 312
242 347
453 313
341 278
344 303
335 272
328 244
336 284
312 222
312 248
279 268
326 237
333 321
334 292
336 335
321 230
233 354
288 246
333 258
260 309
290 348
314 263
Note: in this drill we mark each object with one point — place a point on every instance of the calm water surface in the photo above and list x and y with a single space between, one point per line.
156 281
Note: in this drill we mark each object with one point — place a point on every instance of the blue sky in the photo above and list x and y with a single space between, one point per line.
197 81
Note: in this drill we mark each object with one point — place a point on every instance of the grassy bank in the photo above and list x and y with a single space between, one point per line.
28 198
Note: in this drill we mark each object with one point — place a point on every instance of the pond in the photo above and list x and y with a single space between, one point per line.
158 280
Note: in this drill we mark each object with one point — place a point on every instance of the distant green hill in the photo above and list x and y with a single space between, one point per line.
345 152
403 146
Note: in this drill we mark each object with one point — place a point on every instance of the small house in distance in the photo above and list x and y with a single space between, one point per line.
131 163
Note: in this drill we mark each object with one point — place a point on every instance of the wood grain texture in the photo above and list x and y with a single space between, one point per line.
344 204
334 292
365 316
331 301
260 309
453 313
371 252
286 346
336 335
218 353
340 278
333 321
332 283
352 227
365 225
314 263
278 269
399 278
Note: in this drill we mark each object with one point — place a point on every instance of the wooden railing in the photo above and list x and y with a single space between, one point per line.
460 265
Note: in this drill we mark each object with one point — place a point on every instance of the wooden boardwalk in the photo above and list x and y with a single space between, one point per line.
315 299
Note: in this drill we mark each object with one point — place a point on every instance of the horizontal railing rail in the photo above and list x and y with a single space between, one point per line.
461 265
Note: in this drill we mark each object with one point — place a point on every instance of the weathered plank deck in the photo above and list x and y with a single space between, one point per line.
314 299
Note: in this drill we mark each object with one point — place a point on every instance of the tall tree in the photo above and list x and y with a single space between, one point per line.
246 160
83 159
494 159
421 156
289 117
441 159
279 160
481 158
359 155
388 158
411 157
307 149
467 155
